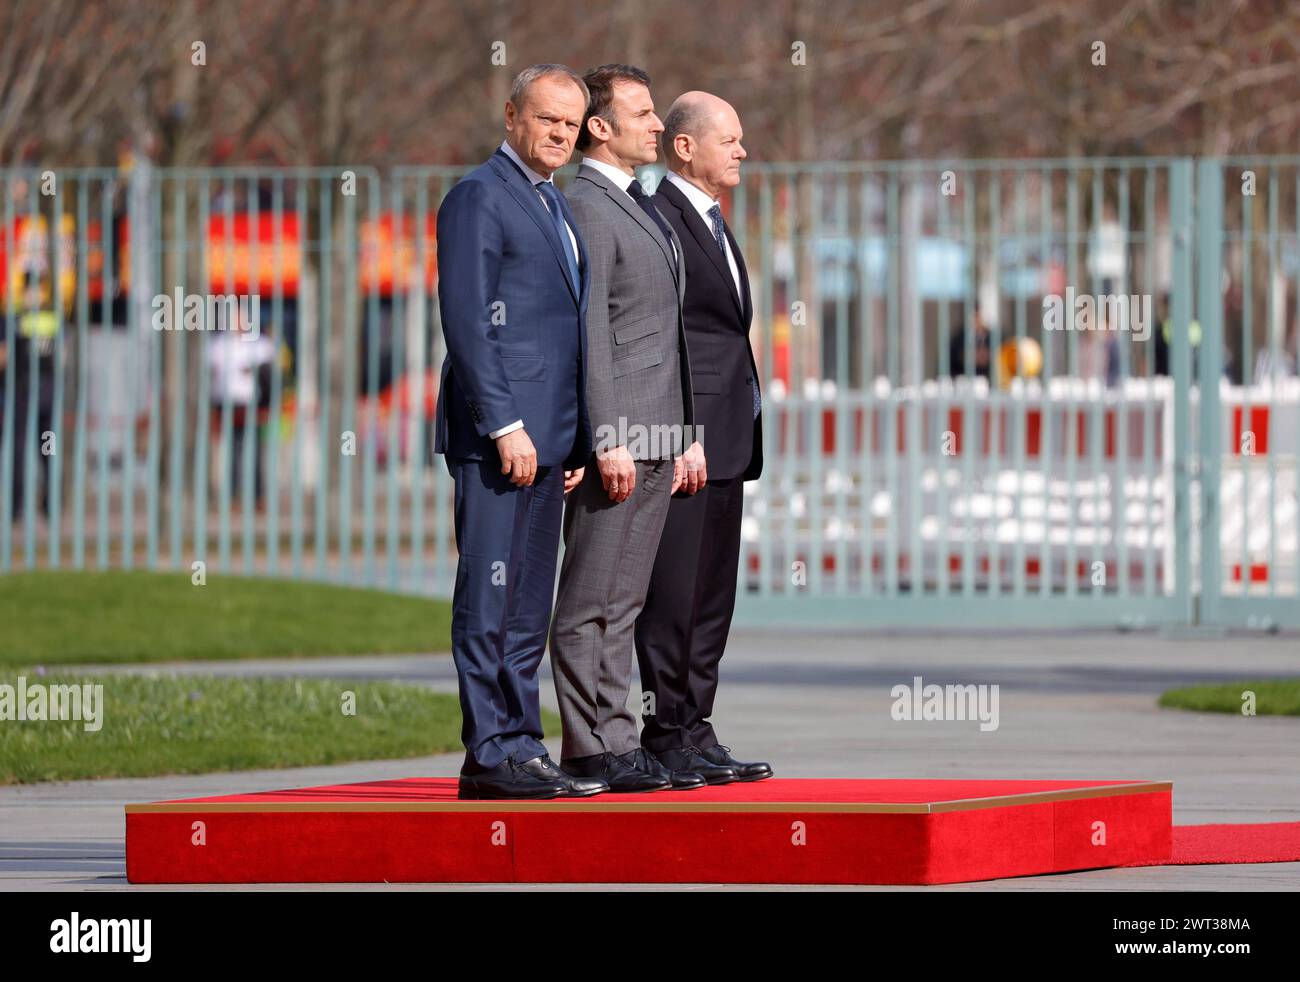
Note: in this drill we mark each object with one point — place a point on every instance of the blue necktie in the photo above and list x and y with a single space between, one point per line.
715 216
552 199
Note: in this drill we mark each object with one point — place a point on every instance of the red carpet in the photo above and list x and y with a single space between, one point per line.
442 790
775 831
1200 845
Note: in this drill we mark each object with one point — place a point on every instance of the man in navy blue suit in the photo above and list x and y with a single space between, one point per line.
512 423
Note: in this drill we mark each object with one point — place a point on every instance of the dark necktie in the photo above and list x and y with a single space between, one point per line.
552 199
720 236
641 198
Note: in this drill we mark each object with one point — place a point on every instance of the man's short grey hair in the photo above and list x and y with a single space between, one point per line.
519 90
687 117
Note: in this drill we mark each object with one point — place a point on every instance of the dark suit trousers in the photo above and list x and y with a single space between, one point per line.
682 630
508 538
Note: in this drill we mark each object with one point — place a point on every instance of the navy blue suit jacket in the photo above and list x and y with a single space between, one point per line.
515 327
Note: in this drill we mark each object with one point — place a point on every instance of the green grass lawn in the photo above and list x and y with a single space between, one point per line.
1272 698
59 618
154 724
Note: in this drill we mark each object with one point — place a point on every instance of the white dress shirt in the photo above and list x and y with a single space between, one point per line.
702 203
621 180
535 179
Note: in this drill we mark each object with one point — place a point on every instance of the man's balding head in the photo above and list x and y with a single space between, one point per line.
691 115
702 141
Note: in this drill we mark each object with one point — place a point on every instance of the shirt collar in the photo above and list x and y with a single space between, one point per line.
534 178
699 200
620 180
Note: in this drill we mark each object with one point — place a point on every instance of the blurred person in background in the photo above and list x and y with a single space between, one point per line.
1091 355
982 345
1267 366
240 364
31 364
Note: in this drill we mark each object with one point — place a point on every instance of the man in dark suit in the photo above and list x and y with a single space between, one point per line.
682 630
512 423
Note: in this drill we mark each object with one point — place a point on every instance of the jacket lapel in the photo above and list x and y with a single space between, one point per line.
747 301
704 236
633 210
521 190
679 267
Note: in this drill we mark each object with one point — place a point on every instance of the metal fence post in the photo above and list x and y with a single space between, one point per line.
1180 204
1209 313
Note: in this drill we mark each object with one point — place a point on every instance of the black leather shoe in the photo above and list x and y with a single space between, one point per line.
575 787
690 759
624 773
508 780
755 771
682 780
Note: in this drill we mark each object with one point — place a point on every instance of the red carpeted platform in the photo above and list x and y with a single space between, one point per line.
774 831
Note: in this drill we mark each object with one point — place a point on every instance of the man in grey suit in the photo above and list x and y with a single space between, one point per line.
640 404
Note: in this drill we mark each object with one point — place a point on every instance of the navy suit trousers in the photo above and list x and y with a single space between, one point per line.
508 538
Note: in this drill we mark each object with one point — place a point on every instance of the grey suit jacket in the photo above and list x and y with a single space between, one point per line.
638 369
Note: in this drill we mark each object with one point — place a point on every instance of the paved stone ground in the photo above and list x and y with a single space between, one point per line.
1080 705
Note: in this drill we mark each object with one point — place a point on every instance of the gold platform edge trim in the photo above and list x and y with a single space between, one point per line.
599 804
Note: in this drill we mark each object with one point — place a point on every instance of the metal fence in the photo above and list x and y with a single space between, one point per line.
951 437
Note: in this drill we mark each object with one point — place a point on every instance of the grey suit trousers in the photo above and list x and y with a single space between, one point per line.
609 554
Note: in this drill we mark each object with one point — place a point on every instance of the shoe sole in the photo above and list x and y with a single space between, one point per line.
584 794
639 790
725 780
473 795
